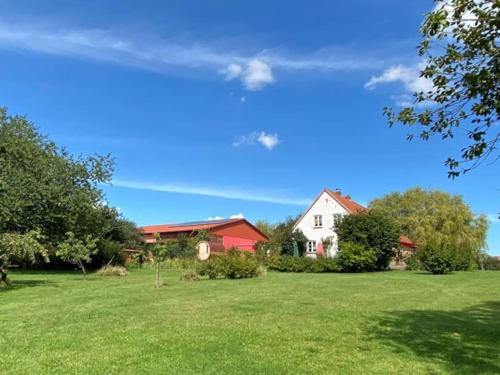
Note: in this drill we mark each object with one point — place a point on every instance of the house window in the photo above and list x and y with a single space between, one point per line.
311 246
337 218
318 221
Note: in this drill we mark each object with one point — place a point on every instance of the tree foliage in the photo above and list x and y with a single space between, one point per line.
20 247
159 251
432 216
372 230
281 237
437 257
462 59
46 189
76 251
43 187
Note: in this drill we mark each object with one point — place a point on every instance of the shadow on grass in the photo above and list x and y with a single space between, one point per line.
463 341
20 284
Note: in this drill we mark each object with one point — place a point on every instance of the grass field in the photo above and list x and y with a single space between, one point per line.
392 322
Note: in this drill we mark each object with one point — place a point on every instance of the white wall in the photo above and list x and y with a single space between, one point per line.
327 207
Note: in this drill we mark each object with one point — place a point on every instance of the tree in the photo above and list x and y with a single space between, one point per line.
19 247
432 216
460 50
77 251
373 230
281 237
43 187
120 235
160 251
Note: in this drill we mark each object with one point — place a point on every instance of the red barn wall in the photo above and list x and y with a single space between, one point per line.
240 230
240 243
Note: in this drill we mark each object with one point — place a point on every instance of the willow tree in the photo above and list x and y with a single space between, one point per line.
433 216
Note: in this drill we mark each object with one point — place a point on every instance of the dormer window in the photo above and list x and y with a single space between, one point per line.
318 221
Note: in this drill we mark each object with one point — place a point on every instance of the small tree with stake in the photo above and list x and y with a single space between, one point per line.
15 246
159 252
76 251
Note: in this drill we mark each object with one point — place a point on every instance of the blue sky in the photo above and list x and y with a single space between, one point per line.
221 108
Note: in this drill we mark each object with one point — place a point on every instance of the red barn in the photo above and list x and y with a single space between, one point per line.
224 234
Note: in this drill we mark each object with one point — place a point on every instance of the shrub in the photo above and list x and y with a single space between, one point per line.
112 271
437 258
492 263
302 264
261 271
231 266
354 257
413 263
190 275
180 263
373 230
107 252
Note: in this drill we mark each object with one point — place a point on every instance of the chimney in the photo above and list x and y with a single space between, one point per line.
337 190
348 197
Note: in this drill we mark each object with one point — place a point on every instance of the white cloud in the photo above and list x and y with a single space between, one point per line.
245 140
244 194
408 76
254 76
214 218
269 141
257 75
232 71
237 216
254 69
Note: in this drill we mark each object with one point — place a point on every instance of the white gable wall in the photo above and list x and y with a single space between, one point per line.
326 206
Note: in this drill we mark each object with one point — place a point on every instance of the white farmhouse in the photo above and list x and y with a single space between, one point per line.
319 219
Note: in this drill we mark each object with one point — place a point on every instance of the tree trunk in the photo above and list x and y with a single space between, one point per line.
3 277
83 269
157 274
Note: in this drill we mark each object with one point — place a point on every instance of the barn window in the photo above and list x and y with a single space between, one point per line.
311 246
318 221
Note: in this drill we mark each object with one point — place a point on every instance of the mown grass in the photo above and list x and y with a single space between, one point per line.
392 322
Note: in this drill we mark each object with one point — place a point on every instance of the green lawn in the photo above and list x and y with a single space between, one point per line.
390 322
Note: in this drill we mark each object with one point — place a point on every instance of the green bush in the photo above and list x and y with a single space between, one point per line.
492 263
302 264
413 263
230 266
180 263
190 275
437 258
107 252
354 257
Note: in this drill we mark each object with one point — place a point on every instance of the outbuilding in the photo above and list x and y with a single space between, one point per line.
224 233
